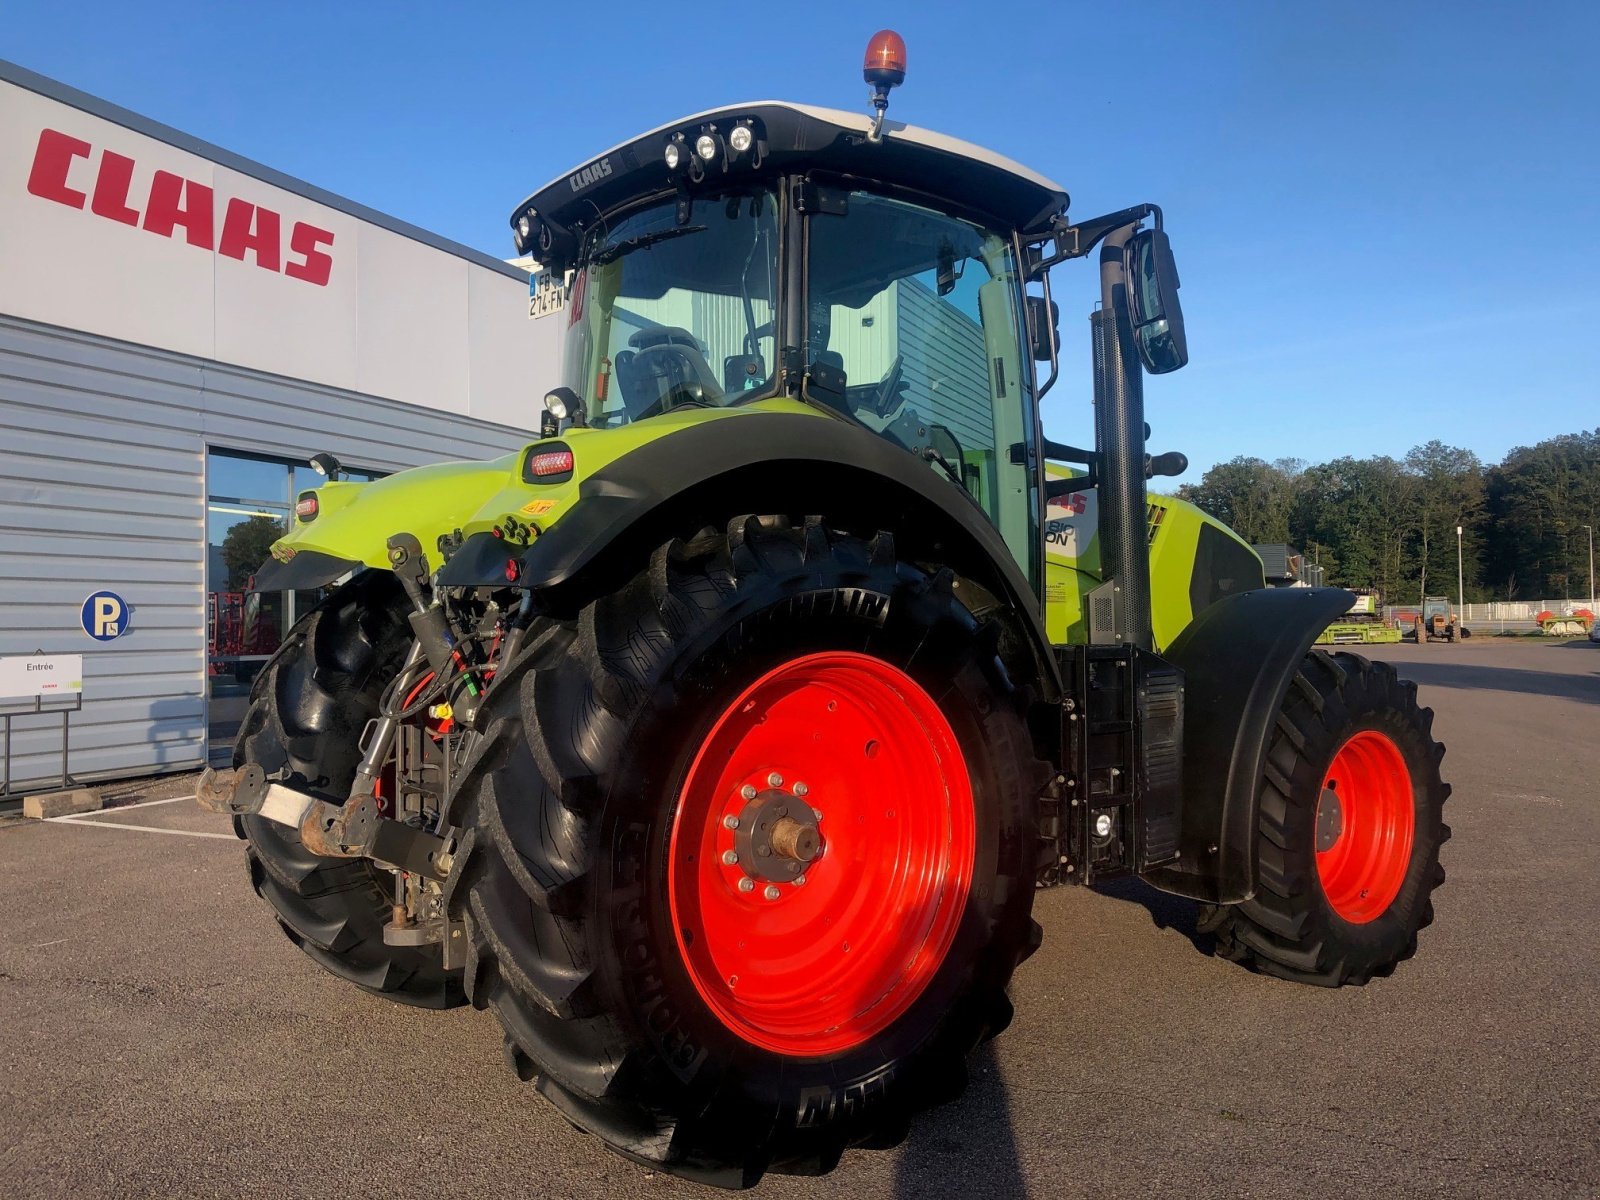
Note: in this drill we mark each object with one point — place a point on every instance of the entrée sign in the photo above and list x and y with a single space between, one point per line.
41 675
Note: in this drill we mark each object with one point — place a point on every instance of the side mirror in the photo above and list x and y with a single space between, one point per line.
1044 328
1153 308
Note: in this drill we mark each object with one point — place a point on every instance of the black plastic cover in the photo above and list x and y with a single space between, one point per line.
1239 657
307 569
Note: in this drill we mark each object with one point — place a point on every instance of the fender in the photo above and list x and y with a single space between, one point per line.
763 462
1239 657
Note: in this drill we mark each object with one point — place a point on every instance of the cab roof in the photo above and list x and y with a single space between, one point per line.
788 137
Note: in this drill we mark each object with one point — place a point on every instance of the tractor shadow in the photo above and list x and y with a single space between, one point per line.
968 1148
1492 678
1177 913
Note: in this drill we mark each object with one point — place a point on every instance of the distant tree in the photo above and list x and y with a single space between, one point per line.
246 546
1376 522
1358 509
1449 492
1539 499
1254 497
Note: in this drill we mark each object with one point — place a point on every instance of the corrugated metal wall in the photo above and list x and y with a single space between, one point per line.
102 485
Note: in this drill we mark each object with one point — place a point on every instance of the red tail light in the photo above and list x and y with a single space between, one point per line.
552 462
306 507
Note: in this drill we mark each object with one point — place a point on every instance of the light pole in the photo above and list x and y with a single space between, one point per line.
1590 529
1461 592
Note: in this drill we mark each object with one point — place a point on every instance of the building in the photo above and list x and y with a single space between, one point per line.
1284 566
180 329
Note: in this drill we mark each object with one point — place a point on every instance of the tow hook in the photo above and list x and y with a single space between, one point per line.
355 829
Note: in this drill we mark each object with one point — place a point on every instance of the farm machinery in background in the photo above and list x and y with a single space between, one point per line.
238 639
1363 624
1576 622
1438 622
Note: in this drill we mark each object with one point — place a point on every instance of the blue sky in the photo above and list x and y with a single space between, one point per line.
1385 214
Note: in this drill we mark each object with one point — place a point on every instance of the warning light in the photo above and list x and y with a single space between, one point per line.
884 68
885 64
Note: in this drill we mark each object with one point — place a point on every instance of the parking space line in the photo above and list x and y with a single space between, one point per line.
141 804
227 837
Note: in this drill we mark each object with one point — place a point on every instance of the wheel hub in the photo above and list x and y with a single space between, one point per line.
777 837
1330 820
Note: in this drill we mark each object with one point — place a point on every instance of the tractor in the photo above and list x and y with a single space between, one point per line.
1437 621
719 738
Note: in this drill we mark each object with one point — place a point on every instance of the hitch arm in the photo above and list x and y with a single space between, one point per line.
355 829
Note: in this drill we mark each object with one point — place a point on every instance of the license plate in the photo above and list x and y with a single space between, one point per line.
547 294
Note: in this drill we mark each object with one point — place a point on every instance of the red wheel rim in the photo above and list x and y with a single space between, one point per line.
1366 822
835 958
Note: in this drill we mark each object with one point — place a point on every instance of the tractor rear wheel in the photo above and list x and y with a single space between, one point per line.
307 711
1349 830
749 852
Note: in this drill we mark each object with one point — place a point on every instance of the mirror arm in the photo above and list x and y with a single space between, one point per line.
1054 489
1061 452
1075 241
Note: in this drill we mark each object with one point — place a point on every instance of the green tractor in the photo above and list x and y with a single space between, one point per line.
719 738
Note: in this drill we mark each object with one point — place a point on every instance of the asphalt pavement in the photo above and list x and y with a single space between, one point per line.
158 1036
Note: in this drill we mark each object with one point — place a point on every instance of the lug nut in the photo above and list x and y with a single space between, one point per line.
799 881
746 884
801 790
748 791
774 780
817 813
730 857
730 822
772 892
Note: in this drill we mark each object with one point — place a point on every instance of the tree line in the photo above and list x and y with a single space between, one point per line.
1391 523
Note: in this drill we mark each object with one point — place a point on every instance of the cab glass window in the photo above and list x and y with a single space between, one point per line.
913 330
666 313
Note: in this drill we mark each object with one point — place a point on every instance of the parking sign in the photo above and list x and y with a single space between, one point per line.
104 616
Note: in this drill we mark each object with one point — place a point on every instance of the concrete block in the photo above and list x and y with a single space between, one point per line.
61 804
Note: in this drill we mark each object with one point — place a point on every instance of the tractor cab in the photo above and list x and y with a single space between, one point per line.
879 274
768 251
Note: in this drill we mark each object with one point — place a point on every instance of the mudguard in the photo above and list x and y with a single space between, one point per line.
1239 657
307 569
764 462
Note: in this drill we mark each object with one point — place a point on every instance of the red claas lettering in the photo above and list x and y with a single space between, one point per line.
315 265
62 173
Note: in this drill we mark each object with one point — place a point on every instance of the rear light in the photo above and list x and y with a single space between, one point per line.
549 462
556 462
306 507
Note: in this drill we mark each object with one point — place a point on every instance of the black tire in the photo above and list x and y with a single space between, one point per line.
567 808
307 712
1289 928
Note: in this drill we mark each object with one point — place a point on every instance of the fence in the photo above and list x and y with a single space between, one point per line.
1499 616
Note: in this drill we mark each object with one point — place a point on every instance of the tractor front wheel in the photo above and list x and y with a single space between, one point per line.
751 852
1349 830
307 711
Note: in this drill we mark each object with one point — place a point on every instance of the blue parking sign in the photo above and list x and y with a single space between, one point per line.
105 616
